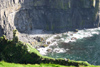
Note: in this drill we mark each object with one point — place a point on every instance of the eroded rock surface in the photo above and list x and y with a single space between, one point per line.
51 15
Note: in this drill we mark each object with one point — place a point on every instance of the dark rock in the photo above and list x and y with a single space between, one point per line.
51 15
48 42
44 45
76 30
49 50
1 31
39 39
73 38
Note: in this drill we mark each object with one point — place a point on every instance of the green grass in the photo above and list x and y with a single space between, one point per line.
31 49
24 55
6 64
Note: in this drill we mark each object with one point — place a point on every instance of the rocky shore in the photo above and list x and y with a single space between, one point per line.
15 51
43 42
66 37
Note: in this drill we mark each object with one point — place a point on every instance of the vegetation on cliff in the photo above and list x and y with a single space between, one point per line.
19 52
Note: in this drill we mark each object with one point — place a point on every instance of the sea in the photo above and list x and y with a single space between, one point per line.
85 46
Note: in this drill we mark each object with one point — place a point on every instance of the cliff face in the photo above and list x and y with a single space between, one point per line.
8 10
52 15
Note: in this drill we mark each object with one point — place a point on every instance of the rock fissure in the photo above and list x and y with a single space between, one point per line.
47 15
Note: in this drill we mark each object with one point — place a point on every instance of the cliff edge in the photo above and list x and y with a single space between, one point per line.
50 15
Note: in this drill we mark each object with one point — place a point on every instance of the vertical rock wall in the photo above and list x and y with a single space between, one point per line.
8 10
52 15
57 15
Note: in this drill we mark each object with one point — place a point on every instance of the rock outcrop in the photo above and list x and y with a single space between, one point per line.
8 10
24 53
51 15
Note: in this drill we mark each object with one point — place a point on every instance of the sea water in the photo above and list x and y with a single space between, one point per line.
82 49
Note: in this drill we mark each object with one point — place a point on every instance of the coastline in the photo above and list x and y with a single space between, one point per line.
30 53
66 37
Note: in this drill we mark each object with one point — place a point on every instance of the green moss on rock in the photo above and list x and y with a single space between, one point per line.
24 53
15 36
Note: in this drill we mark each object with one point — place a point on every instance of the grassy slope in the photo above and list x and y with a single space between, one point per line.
5 64
12 52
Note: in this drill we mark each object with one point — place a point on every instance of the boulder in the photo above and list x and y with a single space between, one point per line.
39 39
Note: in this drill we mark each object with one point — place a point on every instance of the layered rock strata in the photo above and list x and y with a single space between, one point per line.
49 15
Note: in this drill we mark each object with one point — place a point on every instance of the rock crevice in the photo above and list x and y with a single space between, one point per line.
49 15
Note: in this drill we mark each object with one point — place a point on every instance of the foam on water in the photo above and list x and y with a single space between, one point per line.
67 37
59 50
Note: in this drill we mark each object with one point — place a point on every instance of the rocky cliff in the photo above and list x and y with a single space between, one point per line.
51 15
